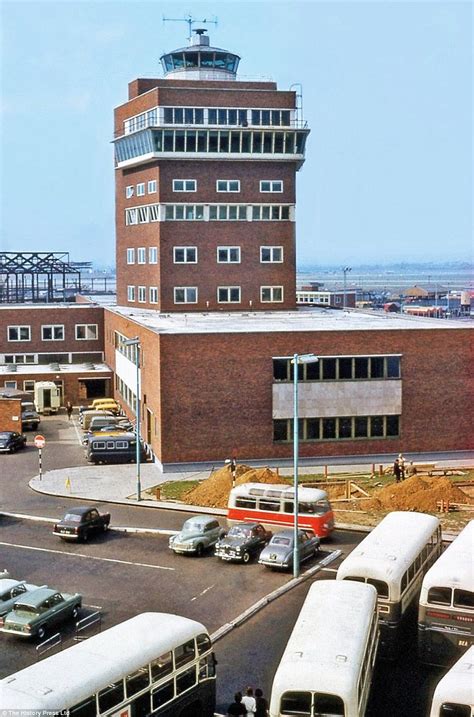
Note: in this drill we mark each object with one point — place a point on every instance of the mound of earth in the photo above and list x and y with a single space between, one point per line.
416 493
214 491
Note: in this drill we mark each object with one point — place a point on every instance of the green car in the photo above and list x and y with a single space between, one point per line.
38 610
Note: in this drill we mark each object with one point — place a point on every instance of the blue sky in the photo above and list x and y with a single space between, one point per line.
387 92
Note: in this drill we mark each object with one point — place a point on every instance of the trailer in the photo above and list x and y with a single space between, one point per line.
47 397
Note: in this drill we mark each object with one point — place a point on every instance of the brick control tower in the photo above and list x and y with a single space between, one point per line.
205 187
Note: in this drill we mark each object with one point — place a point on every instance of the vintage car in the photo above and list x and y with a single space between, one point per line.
38 610
11 591
11 441
242 542
279 551
197 535
78 523
30 417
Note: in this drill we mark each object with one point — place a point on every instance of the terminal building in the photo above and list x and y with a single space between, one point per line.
205 168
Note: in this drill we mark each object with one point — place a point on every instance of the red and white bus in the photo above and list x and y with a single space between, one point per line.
273 505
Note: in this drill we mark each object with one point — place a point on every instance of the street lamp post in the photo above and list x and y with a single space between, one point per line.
345 270
136 343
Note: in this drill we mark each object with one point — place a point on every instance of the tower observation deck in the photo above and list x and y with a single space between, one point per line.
200 61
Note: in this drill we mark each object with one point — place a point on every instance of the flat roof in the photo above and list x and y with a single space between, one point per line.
311 319
64 368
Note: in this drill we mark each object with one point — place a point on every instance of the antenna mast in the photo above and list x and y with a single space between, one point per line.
191 21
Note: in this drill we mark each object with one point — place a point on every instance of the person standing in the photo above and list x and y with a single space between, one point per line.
396 470
261 704
249 701
401 461
237 707
69 410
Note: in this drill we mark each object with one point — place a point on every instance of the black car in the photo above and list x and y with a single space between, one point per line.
11 441
78 523
242 542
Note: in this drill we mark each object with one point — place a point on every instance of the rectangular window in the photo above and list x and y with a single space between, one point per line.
228 185
271 294
185 255
9 384
29 386
87 332
141 189
228 255
19 333
130 293
185 295
267 212
130 256
392 425
361 367
281 430
184 212
129 191
184 185
345 368
271 254
131 217
227 212
141 255
329 369
153 294
376 426
52 333
271 186
228 294
153 255
329 428
376 367
393 367
142 294
152 186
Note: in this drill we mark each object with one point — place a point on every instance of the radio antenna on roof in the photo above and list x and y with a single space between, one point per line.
191 21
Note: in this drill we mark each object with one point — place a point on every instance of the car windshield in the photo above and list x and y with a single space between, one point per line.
277 540
239 531
5 435
72 518
31 609
192 527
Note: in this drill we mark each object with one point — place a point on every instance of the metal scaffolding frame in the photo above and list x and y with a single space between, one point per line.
33 276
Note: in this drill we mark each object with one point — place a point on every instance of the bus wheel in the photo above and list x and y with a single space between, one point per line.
246 557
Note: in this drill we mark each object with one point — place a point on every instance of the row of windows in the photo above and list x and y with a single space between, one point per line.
53 332
207 212
140 189
343 368
209 141
190 185
211 60
451 597
189 294
202 115
189 255
141 255
337 429
47 358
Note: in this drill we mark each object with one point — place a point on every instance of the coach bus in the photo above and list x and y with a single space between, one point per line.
153 663
326 668
394 557
454 694
446 608
273 505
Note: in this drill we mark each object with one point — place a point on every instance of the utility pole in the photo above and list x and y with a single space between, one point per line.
345 269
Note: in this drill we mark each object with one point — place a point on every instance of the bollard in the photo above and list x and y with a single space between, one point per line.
380 470
373 470
158 493
325 472
68 484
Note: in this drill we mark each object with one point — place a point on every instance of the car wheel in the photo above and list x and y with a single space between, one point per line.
199 550
105 527
41 632
75 612
85 536
246 557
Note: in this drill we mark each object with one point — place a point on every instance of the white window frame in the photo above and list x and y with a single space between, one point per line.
8 383
141 189
87 327
222 213
18 327
225 185
272 290
130 293
273 183
152 186
130 255
153 255
129 191
53 327
186 249
185 182
272 250
153 294
228 289
142 294
141 255
186 289
27 385
227 250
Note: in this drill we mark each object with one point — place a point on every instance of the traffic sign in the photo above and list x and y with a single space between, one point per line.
40 441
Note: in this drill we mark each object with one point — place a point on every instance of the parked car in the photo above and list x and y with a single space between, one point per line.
279 551
78 523
11 591
112 429
243 541
30 417
114 447
38 610
197 535
11 441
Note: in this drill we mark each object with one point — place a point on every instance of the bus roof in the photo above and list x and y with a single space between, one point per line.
454 568
66 678
277 490
390 548
457 685
324 652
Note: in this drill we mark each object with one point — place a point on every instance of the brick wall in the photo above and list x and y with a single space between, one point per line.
10 414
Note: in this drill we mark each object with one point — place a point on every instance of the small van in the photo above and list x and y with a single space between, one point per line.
87 417
114 448
47 397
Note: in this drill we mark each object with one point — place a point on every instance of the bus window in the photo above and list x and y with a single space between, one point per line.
439 596
110 696
380 586
203 643
161 666
288 506
207 667
404 581
328 705
307 507
273 505
322 507
245 503
451 709
354 579
184 653
137 681
162 695
296 703
185 680
463 598
84 709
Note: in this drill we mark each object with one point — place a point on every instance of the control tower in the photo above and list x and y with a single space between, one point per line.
200 61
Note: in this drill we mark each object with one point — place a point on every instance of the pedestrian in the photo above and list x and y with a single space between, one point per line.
69 410
401 461
237 707
261 704
396 470
249 701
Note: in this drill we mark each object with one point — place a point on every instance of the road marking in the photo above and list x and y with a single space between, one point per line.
79 438
202 593
84 555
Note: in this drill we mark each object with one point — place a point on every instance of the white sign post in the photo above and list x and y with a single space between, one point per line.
40 442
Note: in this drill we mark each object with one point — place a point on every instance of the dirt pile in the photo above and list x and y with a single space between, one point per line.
416 493
214 491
